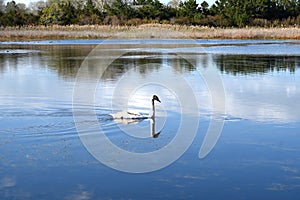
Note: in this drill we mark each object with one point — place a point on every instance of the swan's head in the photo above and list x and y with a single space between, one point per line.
155 98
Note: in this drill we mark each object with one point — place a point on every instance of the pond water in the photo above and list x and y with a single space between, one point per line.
227 125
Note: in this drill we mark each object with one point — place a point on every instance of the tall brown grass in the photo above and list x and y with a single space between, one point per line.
163 31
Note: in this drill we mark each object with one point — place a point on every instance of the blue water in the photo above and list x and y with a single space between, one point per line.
57 95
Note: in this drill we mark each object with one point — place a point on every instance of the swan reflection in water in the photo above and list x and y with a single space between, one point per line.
135 121
129 117
152 129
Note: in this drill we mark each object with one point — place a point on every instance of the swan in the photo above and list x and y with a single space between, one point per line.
127 115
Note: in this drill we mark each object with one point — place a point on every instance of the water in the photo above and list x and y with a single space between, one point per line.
56 97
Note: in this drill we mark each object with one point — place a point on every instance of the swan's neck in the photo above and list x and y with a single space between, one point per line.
152 111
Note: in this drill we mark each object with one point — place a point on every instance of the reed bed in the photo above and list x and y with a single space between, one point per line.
160 31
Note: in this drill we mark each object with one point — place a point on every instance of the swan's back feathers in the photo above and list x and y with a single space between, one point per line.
137 115
129 115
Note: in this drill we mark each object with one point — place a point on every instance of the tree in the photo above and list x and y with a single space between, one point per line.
190 10
61 13
89 12
151 9
205 8
222 13
14 16
89 8
70 14
288 8
119 9
37 7
2 6
235 11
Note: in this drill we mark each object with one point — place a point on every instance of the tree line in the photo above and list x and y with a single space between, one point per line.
223 13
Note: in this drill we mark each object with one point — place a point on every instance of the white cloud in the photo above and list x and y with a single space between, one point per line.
265 99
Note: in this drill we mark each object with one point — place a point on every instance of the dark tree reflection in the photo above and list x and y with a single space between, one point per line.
145 63
255 64
66 59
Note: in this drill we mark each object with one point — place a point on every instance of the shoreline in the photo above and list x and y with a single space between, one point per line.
145 31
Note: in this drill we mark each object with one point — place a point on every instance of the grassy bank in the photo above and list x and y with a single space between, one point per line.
143 31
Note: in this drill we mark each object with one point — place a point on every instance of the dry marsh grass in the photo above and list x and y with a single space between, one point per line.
163 31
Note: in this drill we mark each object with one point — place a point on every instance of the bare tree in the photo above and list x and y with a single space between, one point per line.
174 3
2 6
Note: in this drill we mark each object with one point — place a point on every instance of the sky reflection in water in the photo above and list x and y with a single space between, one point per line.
256 157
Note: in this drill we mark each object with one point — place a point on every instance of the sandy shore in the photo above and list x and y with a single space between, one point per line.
160 31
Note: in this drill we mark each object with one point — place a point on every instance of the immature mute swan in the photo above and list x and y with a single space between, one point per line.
137 116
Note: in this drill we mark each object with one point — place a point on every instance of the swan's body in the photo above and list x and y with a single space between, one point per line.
129 115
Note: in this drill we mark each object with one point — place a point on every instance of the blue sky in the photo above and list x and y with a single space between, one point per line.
210 2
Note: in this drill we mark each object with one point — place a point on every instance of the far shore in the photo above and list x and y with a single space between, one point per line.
145 31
